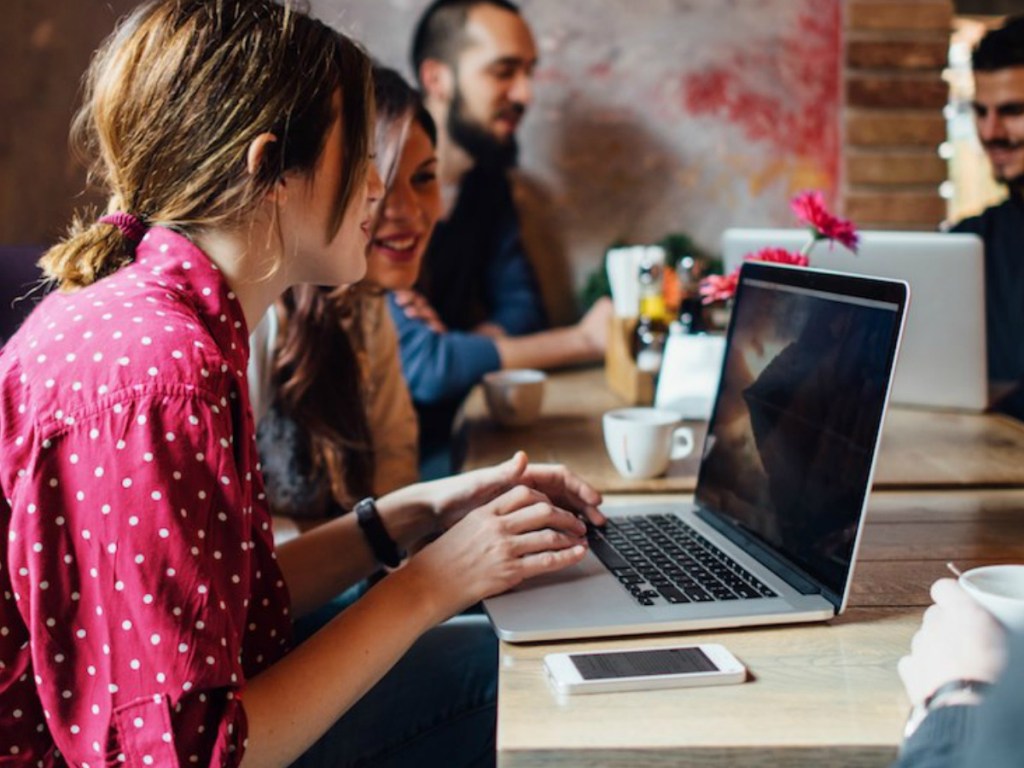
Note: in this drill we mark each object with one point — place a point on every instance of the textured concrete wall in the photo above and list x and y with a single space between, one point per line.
652 116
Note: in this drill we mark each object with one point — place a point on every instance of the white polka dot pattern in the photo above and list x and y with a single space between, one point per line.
138 587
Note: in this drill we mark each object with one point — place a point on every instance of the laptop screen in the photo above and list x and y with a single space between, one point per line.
792 437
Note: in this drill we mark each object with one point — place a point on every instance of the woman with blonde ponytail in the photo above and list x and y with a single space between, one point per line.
145 614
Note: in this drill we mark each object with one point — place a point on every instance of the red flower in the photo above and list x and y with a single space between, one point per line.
719 287
844 232
810 208
779 256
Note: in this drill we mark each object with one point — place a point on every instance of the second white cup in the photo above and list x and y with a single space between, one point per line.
642 441
514 396
1000 590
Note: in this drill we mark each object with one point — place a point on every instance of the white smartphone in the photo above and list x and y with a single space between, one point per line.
638 669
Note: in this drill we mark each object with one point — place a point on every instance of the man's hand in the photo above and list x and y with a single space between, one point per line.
958 639
594 325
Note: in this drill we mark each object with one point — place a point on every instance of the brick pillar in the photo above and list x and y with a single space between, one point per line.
893 123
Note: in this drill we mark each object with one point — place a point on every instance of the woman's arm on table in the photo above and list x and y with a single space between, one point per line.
325 561
517 535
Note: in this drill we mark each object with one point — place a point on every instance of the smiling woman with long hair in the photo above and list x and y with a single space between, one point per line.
145 614
335 420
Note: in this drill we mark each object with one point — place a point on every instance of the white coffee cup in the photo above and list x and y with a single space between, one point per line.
642 441
514 396
1000 590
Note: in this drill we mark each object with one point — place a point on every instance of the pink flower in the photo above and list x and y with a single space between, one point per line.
719 287
809 208
844 232
722 287
780 256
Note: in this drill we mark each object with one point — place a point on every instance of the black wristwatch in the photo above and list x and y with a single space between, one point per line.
381 544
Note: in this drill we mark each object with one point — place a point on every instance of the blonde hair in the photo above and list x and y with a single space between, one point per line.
174 98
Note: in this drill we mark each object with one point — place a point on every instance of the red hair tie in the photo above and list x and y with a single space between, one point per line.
131 226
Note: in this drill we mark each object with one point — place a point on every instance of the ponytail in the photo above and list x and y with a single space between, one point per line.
91 250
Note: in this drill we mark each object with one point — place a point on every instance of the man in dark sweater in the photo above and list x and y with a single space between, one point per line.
474 61
998 106
963 677
477 307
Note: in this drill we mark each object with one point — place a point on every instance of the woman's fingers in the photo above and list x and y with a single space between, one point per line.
451 498
566 489
549 561
540 515
548 540
516 536
504 475
492 483
515 498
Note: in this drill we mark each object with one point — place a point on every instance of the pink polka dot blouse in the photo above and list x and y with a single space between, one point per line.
138 582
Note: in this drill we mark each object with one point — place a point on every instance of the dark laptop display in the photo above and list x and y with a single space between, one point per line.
783 483
792 437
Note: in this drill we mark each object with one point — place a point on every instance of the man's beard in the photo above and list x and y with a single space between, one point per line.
482 146
1015 183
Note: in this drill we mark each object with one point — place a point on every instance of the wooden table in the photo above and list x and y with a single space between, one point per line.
920 449
820 694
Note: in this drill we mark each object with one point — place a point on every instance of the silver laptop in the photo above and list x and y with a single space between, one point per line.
943 362
772 534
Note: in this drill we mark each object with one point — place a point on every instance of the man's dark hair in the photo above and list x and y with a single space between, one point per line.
1001 48
440 32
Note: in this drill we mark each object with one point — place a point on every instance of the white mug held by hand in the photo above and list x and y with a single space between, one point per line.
642 441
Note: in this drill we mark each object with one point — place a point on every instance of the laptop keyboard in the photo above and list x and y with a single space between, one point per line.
661 560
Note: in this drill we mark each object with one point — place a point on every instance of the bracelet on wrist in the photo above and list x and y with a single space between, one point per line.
383 547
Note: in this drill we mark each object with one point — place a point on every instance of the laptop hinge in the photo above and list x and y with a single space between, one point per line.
796 577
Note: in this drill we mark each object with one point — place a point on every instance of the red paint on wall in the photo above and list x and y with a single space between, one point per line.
806 63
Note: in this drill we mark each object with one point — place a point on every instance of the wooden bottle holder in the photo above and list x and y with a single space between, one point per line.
636 387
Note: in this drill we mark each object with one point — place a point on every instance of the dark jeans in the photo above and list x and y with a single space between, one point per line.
436 707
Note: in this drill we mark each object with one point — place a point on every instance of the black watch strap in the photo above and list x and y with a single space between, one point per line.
381 544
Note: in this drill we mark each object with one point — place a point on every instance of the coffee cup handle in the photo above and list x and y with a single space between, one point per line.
682 443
